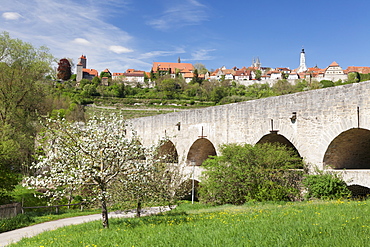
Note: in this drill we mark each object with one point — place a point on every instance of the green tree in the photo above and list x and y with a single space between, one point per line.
9 157
170 87
244 172
282 87
257 91
201 68
96 81
301 85
196 78
353 77
23 69
105 74
258 74
64 69
218 93
284 75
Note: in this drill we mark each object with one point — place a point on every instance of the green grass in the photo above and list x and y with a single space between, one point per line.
32 218
135 108
127 114
331 223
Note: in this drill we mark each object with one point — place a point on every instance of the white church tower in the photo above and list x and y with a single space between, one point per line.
302 62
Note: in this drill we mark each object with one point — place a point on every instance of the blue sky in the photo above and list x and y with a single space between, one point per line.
122 34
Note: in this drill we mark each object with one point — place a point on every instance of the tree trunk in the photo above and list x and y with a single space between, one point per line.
104 210
138 208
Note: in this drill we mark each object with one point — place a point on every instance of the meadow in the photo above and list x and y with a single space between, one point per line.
311 223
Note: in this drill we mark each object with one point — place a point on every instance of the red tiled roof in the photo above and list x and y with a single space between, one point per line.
93 72
186 70
188 75
171 66
362 70
134 74
244 72
334 64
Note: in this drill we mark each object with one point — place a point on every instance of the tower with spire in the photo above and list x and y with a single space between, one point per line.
256 63
302 62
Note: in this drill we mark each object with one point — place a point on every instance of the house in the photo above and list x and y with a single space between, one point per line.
243 74
314 72
131 76
184 70
134 76
117 75
82 72
334 72
163 68
293 76
275 75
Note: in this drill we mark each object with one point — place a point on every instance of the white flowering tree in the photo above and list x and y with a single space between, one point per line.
162 182
88 154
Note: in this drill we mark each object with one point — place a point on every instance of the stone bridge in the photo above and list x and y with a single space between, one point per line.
329 128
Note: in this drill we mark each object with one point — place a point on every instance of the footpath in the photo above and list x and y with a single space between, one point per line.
7 238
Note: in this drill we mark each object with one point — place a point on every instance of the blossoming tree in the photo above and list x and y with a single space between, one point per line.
88 154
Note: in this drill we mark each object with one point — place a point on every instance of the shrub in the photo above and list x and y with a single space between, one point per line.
326 83
21 220
325 186
264 172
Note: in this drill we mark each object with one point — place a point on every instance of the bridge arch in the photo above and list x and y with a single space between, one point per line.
274 137
200 151
187 189
349 150
168 150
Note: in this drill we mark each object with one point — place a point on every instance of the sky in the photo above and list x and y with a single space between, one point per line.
132 34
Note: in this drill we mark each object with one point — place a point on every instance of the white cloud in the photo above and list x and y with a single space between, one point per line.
11 15
200 55
180 14
119 49
161 53
71 28
81 41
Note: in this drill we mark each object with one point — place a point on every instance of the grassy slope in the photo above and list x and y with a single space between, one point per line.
333 223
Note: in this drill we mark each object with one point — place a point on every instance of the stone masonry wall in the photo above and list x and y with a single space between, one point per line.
321 116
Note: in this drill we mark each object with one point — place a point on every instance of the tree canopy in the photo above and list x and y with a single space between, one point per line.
90 156
64 69
22 93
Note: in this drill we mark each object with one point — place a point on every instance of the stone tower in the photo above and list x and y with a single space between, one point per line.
302 62
82 61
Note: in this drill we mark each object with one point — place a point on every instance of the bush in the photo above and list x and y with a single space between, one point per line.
21 220
326 83
29 197
251 173
233 99
325 186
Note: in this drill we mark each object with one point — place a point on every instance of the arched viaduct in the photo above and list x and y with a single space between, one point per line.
330 129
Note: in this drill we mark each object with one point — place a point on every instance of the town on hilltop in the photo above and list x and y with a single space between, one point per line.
245 75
